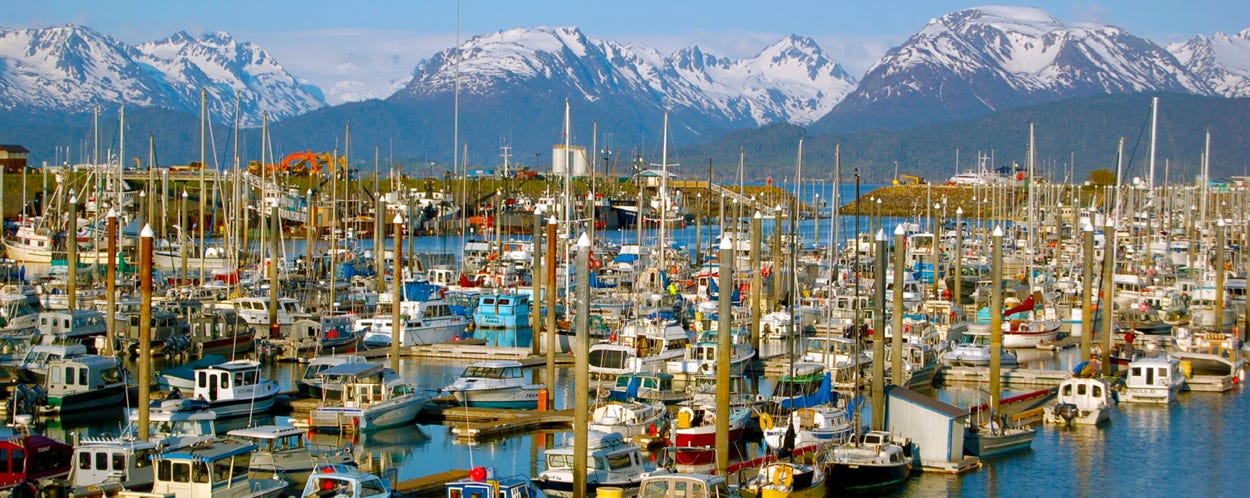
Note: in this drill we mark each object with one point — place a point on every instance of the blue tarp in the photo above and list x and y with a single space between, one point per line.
820 397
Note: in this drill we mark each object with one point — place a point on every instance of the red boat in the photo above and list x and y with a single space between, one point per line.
696 425
32 457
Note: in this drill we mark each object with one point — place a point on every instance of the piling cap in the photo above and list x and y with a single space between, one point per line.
899 230
880 235
551 220
1087 227
1218 223
726 243
959 211
73 199
584 240
998 230
143 193
399 219
758 215
147 232
112 213
184 193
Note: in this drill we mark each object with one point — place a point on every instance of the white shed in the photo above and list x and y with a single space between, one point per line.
937 428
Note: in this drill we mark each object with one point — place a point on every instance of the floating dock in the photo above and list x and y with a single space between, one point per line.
431 485
1011 377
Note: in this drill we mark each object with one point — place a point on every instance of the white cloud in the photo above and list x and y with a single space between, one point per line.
351 64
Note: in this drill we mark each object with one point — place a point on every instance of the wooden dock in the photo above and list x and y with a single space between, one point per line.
486 423
431 485
1010 377
482 352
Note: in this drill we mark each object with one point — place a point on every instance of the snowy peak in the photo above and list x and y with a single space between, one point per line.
972 62
1222 61
790 81
73 68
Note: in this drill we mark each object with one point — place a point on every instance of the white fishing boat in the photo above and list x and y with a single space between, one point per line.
1153 379
365 397
84 383
495 384
175 423
108 465
424 322
663 483
815 425
1081 401
614 462
629 418
212 469
235 388
283 452
311 384
335 481
973 349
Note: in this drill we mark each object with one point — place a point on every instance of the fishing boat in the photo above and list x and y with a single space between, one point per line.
844 359
495 384
312 383
643 345
1153 379
175 423
427 322
283 453
973 349
220 331
628 418
701 357
616 464
255 311
995 437
213 469
332 481
182 377
235 388
1081 401
696 425
785 479
650 387
73 326
85 383
483 482
873 461
663 483
507 311
106 465
815 425
18 313
368 397
33 368
920 365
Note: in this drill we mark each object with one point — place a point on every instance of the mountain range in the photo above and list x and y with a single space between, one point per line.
513 84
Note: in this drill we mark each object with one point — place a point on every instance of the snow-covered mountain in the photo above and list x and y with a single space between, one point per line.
73 68
1222 61
973 62
790 81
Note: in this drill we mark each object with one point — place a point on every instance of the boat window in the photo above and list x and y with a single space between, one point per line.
241 464
1097 392
619 461
111 375
84 460
163 471
101 460
655 489
119 461
82 377
225 380
1080 390
372 487
199 472
221 471
180 472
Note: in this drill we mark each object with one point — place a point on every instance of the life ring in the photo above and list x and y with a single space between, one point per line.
783 476
706 367
766 421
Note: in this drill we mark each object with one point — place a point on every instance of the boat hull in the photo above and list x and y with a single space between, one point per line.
378 416
988 445
513 398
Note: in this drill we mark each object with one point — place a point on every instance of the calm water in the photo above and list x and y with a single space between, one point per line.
1188 448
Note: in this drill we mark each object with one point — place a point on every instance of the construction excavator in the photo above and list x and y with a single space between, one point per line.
301 164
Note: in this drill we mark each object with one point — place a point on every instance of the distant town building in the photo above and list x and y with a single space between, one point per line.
13 158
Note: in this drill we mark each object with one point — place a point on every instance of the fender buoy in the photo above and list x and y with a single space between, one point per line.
766 421
783 476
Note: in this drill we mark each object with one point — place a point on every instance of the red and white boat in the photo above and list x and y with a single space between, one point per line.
696 425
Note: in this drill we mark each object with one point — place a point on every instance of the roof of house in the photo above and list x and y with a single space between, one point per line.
13 148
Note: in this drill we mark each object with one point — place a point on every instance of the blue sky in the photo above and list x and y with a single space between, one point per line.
357 49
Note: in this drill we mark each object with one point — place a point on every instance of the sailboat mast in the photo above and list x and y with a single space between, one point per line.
663 194
203 188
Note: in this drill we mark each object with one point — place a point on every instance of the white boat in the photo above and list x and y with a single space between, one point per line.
110 464
208 470
816 425
973 350
841 357
788 479
644 345
662 483
1081 401
629 418
368 396
616 463
85 383
175 423
168 257
235 388
701 358
346 482
424 322
282 453
72 326
993 437
495 384
255 311
34 366
1153 379
311 384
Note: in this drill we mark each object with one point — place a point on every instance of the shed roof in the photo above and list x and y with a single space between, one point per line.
925 401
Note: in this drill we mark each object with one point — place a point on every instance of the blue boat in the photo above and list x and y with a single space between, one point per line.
502 311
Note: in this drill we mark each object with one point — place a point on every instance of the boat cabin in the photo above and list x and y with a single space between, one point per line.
72 325
176 423
100 460
32 456
684 485
483 483
341 481
230 380
216 469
